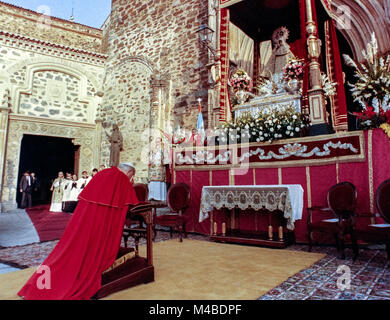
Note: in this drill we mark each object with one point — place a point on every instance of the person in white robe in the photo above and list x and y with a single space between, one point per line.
67 189
73 192
159 158
83 181
58 193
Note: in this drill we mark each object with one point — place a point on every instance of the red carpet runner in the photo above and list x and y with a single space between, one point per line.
49 225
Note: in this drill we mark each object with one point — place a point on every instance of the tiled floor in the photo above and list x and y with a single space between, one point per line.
369 274
369 278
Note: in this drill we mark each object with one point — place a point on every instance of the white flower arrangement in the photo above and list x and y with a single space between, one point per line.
277 124
373 75
329 87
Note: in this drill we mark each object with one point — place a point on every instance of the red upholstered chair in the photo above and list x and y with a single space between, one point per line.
341 200
142 191
178 199
378 232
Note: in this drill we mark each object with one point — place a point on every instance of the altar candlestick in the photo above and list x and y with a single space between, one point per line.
215 228
270 233
224 229
281 233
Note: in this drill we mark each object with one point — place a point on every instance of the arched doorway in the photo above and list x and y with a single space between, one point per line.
46 156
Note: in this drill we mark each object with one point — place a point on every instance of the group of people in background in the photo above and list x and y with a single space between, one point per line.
29 184
66 189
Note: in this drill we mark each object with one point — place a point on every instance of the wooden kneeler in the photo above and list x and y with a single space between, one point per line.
130 269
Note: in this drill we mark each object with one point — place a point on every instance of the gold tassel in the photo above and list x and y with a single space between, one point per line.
386 128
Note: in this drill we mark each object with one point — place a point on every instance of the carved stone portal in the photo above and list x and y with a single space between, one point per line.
83 136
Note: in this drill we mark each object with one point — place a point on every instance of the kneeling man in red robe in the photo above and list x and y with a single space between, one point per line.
90 242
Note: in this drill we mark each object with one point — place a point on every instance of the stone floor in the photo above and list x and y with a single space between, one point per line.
4 268
370 273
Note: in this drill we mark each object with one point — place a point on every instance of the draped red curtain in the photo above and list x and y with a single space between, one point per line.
335 73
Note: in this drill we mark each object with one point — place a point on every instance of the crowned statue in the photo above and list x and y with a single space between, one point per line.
280 56
281 73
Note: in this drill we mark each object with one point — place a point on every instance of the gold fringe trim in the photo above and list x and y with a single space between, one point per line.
308 184
120 261
371 172
386 128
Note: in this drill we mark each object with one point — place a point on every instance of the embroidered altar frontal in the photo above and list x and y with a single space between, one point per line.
293 152
315 163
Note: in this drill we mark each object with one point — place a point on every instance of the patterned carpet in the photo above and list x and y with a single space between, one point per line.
370 278
370 274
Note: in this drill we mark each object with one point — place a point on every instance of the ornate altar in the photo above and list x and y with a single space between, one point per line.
268 103
130 269
283 201
280 83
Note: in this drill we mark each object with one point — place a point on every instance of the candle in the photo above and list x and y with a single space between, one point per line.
224 229
270 233
281 233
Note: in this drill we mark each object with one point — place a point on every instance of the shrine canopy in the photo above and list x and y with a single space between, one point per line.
249 33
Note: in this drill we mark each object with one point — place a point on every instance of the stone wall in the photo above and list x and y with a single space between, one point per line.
50 87
51 83
56 95
149 41
35 25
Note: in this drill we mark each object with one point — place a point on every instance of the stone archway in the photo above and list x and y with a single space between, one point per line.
82 135
361 18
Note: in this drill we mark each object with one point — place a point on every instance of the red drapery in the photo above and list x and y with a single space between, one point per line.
89 244
335 74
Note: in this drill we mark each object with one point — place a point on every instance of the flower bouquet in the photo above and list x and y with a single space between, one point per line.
370 119
241 81
265 126
329 87
293 70
373 76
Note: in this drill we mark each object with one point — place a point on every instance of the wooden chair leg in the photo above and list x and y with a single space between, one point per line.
125 240
342 246
184 230
180 233
336 238
136 247
154 232
355 246
171 231
309 238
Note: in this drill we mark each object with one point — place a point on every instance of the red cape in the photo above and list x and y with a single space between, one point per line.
90 242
